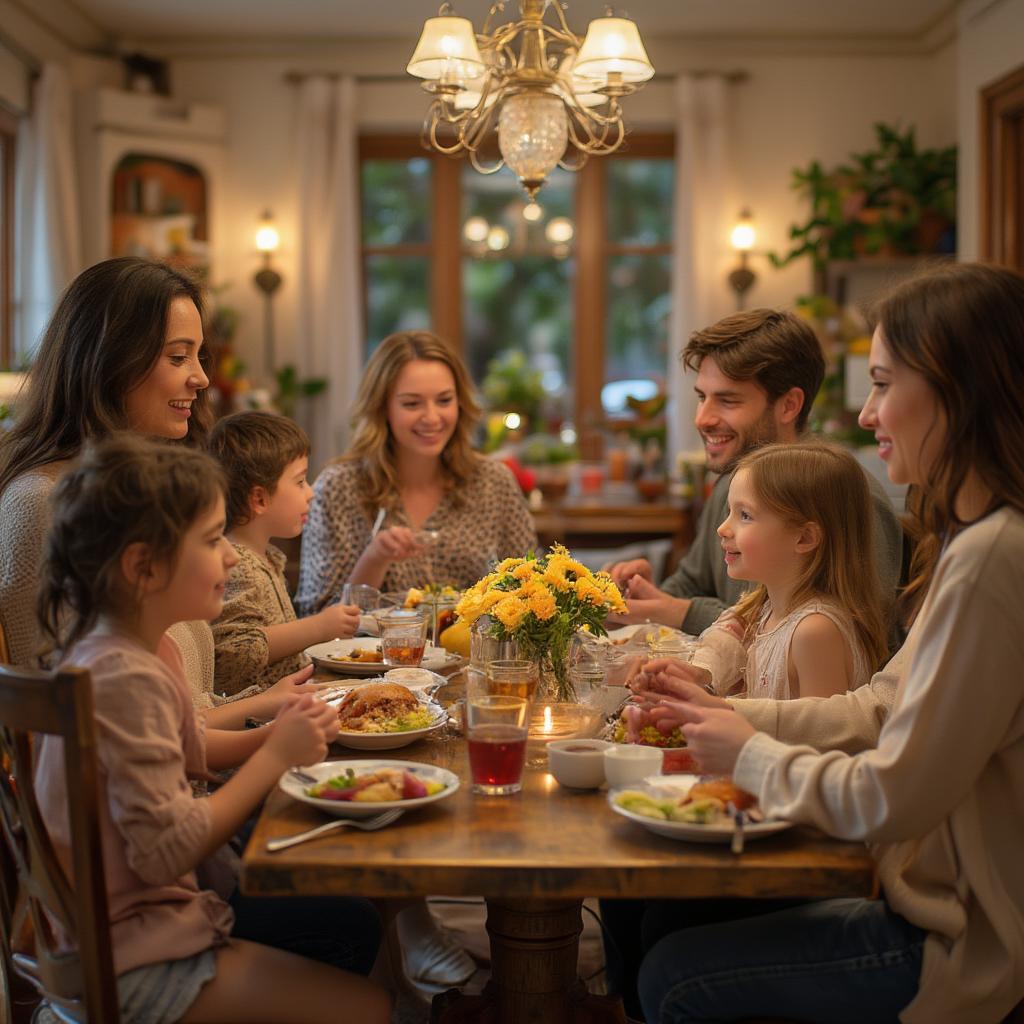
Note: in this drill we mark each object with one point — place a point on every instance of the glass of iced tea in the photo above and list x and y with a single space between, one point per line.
403 636
513 678
496 737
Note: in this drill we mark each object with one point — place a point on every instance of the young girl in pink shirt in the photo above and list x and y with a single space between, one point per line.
137 545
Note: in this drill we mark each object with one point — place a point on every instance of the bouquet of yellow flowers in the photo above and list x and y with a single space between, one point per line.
540 602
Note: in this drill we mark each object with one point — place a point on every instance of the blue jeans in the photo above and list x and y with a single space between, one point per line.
839 961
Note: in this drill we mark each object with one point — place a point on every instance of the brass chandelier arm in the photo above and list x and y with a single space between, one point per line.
492 82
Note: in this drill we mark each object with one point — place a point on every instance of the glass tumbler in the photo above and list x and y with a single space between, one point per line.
403 636
496 738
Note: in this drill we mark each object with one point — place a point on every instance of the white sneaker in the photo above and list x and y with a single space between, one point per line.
436 959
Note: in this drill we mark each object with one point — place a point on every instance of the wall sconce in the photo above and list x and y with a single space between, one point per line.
743 237
268 280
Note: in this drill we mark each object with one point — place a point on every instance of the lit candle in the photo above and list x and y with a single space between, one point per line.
547 719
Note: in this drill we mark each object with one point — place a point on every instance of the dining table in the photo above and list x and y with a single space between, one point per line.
533 856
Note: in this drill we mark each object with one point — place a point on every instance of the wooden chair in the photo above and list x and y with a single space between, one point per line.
59 704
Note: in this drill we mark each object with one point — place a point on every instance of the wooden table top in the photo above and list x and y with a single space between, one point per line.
543 843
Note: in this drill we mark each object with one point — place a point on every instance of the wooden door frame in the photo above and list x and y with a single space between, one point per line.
1002 171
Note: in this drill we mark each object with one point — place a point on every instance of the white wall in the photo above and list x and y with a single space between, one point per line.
791 109
990 46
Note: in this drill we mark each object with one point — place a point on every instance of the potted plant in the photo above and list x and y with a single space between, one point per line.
895 199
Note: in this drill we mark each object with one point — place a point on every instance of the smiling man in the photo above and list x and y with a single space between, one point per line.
757 375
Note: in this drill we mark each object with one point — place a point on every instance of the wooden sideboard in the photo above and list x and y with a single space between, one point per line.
597 522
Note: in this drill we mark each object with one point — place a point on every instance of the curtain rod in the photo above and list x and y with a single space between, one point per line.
295 77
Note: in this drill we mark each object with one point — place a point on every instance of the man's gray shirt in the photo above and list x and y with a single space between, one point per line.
701 575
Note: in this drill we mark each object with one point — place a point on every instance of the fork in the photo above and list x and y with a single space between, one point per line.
366 824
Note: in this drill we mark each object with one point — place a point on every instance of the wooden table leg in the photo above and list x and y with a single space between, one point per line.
534 954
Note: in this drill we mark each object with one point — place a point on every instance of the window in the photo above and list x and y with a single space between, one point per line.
583 290
8 136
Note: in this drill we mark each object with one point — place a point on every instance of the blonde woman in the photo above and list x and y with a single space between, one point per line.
410 468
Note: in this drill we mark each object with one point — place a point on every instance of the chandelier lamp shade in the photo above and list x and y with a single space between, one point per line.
552 97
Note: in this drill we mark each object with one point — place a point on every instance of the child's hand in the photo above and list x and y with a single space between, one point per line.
303 728
339 621
395 543
677 680
268 703
671 677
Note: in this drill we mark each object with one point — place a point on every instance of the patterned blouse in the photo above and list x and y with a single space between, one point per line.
492 521
255 597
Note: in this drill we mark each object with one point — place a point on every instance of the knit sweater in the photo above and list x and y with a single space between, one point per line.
939 796
24 521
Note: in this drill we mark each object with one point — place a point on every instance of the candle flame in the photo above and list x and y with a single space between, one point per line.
547 719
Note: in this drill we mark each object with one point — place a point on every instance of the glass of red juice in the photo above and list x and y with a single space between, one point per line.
496 735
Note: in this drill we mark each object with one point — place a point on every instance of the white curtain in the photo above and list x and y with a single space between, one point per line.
330 319
704 210
47 232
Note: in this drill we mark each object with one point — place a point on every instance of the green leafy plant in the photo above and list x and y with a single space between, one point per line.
894 198
512 385
290 389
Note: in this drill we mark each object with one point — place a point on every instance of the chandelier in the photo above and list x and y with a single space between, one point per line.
553 96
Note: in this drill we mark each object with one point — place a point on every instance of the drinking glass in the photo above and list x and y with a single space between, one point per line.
363 596
515 678
403 636
484 649
496 738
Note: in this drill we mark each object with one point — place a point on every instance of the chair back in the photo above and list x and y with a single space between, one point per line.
33 881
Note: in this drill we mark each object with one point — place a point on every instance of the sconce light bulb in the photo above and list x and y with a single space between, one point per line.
743 237
743 234
513 421
267 236
532 212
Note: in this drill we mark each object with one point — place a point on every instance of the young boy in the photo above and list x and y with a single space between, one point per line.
258 639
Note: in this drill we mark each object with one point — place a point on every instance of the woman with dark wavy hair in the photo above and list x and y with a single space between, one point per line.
411 467
931 775
123 351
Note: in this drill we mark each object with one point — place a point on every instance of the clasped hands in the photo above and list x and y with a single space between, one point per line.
670 693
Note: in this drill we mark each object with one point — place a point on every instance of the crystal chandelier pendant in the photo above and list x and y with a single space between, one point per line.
533 131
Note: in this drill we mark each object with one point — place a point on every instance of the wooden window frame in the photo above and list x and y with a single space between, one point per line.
8 143
592 252
1002 171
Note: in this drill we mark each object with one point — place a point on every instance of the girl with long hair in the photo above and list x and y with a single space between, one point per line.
137 544
933 779
410 471
799 525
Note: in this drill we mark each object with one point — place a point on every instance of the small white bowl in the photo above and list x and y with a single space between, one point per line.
413 678
626 764
579 763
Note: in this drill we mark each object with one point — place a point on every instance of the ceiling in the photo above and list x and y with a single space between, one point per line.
144 20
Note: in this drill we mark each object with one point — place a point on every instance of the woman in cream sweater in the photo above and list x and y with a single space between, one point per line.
935 785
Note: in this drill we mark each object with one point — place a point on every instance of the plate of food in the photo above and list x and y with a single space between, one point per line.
363 788
385 716
361 656
693 808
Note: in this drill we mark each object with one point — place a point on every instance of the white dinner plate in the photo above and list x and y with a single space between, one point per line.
434 658
350 808
663 785
330 688
393 740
